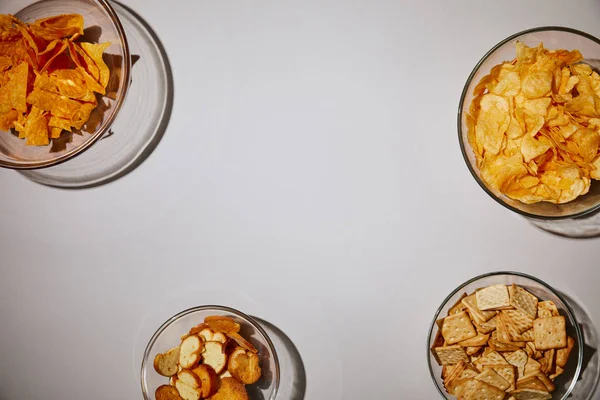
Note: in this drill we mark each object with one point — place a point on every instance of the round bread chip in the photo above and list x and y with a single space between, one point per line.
166 364
166 392
231 389
220 323
244 366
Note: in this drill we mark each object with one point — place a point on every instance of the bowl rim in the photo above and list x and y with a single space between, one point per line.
107 122
578 333
230 310
463 145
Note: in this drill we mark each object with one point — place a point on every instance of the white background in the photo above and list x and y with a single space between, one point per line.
310 175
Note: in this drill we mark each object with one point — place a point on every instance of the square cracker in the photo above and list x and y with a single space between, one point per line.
472 350
550 333
562 355
545 380
458 306
518 319
517 358
530 394
471 303
493 297
523 301
492 358
526 336
491 377
532 367
484 391
479 340
450 355
504 330
550 356
487 326
547 309
559 371
458 327
531 382
465 387
507 372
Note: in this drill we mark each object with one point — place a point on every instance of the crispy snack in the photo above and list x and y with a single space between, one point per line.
534 126
48 80
214 361
231 389
244 366
222 324
167 364
189 352
522 349
167 392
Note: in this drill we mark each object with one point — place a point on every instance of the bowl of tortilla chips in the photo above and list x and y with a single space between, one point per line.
64 74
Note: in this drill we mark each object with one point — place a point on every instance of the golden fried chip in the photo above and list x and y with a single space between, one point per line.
14 93
62 123
95 52
58 105
534 125
7 120
58 27
36 128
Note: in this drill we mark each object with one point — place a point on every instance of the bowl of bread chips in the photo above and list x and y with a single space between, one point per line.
64 74
505 335
210 352
529 123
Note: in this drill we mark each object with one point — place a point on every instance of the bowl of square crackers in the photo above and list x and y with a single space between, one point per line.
505 335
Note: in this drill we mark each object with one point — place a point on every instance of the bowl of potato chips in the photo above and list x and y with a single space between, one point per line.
64 74
505 335
529 123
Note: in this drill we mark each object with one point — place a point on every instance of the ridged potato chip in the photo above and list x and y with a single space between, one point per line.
534 125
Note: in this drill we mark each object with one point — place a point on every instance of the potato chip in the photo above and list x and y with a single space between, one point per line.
534 125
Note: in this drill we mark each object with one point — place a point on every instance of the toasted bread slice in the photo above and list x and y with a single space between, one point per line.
231 389
242 342
198 328
219 323
209 378
189 353
187 392
166 392
165 364
244 366
208 335
225 374
189 378
214 355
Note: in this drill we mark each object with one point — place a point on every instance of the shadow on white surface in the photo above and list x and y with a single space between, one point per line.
586 388
293 375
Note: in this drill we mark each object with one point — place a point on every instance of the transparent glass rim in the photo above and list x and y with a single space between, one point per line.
230 310
124 86
460 287
463 145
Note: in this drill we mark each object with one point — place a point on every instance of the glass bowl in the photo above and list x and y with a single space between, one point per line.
565 382
553 38
101 25
169 336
